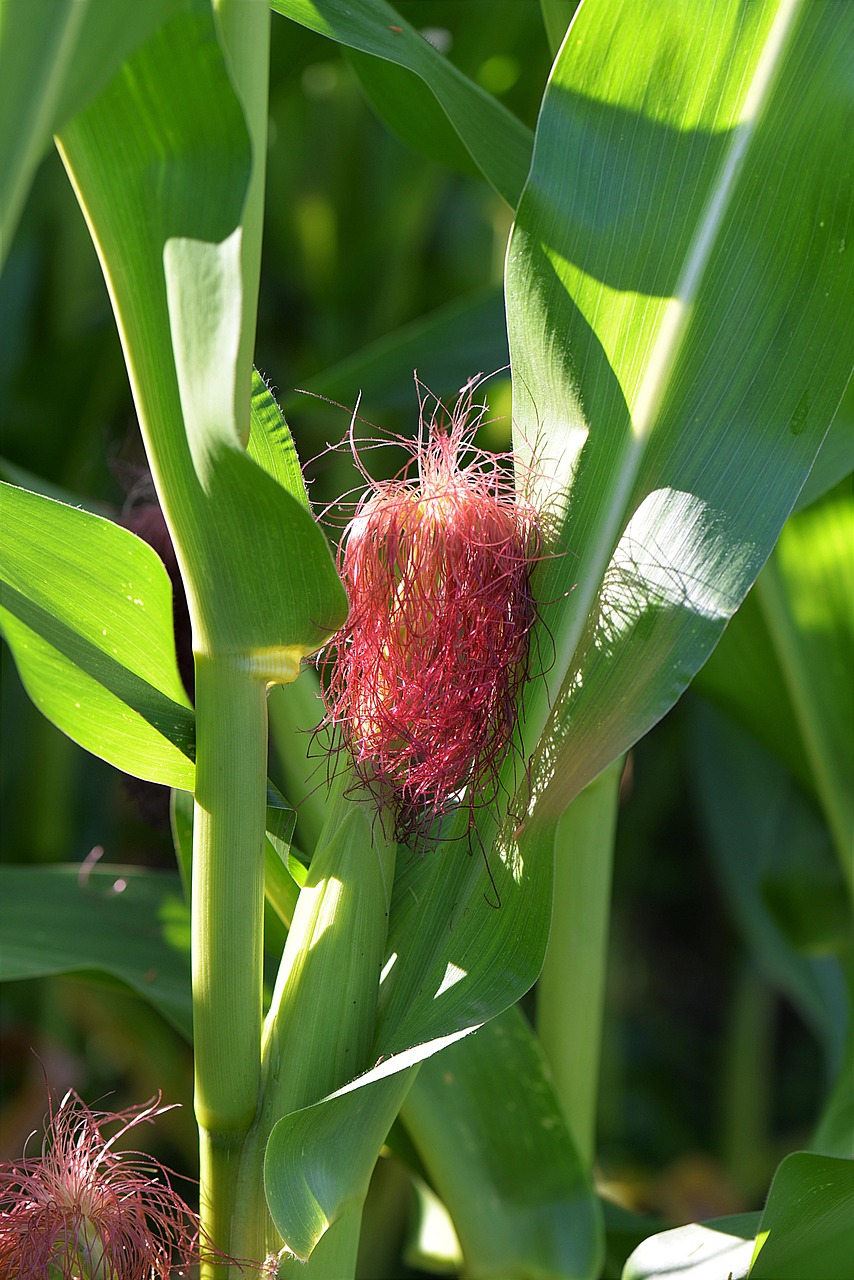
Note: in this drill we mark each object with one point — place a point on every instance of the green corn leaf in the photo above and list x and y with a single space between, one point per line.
130 925
35 52
271 444
697 1251
86 608
467 937
498 143
259 574
318 1164
807 597
407 105
454 961
55 55
488 1127
807 1227
676 306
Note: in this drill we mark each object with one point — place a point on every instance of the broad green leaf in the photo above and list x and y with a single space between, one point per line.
464 942
467 935
407 105
161 162
488 1127
319 1161
677 310
55 55
497 142
129 924
454 960
757 823
698 1251
86 608
807 1226
807 596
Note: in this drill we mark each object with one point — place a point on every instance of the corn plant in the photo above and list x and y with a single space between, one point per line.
677 295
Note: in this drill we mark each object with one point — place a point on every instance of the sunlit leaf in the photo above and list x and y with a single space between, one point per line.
488 1127
319 1162
807 1227
675 309
271 444
467 937
697 1251
258 571
86 608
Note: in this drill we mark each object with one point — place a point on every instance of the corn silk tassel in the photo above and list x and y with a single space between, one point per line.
84 1211
424 679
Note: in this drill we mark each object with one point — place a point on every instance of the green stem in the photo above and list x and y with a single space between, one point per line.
231 767
571 989
227 924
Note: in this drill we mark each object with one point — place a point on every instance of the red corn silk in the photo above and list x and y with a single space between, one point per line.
83 1204
425 677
